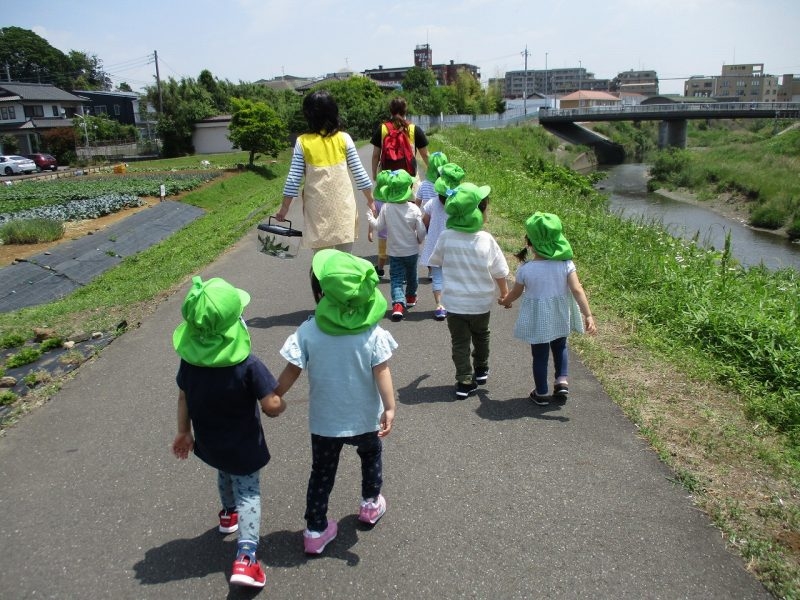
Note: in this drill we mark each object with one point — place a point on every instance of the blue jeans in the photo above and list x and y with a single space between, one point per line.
541 355
437 280
403 274
242 492
325 453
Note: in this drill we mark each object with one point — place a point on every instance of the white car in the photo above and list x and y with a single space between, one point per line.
13 164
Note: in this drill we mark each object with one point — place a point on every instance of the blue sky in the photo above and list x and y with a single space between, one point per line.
248 40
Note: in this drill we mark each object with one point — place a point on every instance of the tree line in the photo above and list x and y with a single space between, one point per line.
264 121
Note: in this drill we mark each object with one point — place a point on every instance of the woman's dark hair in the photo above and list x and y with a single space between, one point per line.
321 113
398 107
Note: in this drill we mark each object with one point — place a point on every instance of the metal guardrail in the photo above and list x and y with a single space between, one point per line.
719 110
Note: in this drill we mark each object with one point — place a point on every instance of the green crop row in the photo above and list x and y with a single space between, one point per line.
27 195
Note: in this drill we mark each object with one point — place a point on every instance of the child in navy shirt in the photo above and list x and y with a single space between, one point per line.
221 386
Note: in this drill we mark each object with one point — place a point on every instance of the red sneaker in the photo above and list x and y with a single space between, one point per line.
228 521
247 573
411 301
397 311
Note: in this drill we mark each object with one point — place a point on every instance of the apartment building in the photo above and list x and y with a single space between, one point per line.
635 82
423 58
551 82
736 83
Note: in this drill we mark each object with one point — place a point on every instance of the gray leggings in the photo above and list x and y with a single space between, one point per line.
242 492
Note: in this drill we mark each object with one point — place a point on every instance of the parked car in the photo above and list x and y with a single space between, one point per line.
11 164
44 161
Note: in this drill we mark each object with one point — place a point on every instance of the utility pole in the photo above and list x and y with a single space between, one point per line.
525 85
546 87
158 83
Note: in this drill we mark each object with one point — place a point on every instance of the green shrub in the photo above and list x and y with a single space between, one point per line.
31 231
24 357
7 398
794 228
12 340
51 343
768 216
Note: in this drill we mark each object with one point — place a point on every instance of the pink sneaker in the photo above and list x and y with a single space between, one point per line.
247 573
228 521
372 510
314 542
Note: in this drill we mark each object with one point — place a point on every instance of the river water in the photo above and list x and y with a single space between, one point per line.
627 187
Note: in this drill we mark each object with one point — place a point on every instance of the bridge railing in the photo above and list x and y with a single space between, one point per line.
771 108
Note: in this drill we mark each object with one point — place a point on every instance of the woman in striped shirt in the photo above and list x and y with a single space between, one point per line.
324 157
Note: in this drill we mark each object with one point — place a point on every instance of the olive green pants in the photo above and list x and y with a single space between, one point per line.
469 335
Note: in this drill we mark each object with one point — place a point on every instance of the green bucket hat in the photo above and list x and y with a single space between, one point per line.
450 176
393 186
435 162
381 181
351 301
545 234
462 207
212 333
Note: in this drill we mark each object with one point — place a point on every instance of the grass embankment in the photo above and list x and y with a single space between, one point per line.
702 355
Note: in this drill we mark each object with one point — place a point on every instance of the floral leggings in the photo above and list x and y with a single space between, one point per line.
325 453
242 492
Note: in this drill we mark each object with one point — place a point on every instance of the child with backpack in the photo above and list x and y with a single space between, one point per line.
405 231
553 303
474 267
351 396
397 141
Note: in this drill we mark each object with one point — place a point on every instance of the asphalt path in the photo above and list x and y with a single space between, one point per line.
488 497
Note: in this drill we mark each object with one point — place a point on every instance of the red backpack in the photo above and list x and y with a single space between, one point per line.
396 150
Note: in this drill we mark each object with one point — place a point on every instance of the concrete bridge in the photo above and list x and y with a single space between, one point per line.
673 117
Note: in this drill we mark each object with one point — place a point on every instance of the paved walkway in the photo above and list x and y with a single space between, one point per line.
489 497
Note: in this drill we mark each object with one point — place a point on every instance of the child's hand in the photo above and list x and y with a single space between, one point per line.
182 445
387 419
589 325
369 235
502 302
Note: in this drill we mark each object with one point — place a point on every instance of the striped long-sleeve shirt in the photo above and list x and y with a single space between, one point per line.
320 151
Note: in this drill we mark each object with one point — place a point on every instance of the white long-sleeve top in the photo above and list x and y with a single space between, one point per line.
404 228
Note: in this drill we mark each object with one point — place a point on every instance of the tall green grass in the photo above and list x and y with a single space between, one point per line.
742 323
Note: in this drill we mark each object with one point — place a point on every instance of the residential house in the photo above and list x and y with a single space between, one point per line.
588 99
27 110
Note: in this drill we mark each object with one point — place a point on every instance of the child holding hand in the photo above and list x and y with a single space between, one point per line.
553 295
351 396
221 386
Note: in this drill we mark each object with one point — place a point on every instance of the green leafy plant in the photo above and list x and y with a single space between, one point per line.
7 398
35 378
23 357
50 344
12 340
270 245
